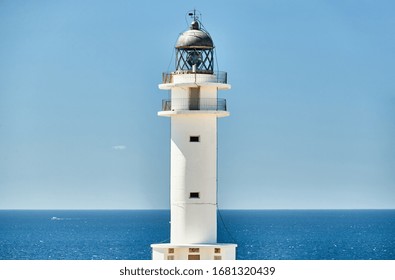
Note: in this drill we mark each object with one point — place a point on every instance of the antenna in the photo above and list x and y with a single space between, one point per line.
192 15
195 15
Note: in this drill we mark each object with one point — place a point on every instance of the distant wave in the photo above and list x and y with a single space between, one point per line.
59 219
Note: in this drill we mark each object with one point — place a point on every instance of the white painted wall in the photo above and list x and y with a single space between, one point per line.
194 78
193 169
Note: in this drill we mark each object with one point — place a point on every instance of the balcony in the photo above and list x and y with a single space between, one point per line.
187 76
194 104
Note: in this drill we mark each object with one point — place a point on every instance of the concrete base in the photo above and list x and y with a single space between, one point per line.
168 251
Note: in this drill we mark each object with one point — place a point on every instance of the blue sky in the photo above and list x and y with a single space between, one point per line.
312 103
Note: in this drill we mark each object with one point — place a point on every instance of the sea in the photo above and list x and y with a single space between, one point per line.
259 234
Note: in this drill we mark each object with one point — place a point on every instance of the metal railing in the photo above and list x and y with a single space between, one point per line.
217 77
204 104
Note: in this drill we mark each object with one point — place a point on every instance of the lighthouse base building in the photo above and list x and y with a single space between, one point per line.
194 109
193 251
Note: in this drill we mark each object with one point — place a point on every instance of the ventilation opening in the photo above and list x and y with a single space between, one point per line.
194 138
194 257
194 195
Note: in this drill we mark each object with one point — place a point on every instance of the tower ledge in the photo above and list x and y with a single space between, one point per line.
218 114
194 84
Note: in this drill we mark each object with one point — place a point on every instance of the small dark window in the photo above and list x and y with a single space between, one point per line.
194 195
194 257
194 139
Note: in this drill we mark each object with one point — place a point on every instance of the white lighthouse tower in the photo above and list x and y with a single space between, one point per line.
194 108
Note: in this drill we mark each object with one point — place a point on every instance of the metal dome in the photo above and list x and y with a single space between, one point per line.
194 38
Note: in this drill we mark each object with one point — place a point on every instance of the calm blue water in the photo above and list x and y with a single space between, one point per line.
318 234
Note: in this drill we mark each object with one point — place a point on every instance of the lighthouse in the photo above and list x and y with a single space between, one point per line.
194 108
